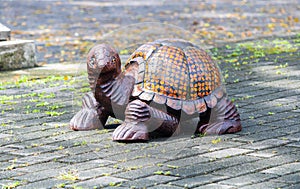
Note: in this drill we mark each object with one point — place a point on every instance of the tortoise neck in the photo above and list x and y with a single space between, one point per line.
95 80
107 77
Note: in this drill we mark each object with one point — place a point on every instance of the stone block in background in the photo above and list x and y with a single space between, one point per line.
4 33
15 54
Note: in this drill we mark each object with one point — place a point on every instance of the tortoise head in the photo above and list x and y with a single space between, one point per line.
103 64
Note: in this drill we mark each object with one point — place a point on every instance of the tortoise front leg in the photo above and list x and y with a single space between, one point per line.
222 119
140 119
91 116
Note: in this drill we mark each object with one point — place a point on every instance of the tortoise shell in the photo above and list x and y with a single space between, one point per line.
177 73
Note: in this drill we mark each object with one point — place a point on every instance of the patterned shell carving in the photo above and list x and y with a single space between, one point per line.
179 74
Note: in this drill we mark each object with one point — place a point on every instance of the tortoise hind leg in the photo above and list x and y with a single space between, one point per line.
90 116
222 119
141 119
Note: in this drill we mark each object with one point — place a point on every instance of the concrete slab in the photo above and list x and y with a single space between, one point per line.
17 54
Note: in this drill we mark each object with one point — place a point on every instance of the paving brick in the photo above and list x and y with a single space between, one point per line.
140 172
270 143
182 162
49 183
247 179
78 158
291 129
117 186
227 153
69 148
251 127
294 144
294 137
297 153
6 157
141 162
2 136
165 186
39 175
198 180
144 183
40 167
255 166
180 152
170 151
257 137
99 182
8 174
34 150
153 181
96 172
271 152
291 178
214 166
216 186
92 164
222 143
161 178
270 184
8 183
30 160
293 186
284 169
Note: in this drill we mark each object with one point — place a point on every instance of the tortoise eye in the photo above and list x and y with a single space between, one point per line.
113 59
92 61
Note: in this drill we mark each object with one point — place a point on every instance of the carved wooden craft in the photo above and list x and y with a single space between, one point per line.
164 84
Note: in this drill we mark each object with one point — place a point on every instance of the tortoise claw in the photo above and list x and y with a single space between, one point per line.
131 132
224 127
85 119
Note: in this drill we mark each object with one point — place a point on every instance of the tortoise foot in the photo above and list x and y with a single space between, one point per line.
224 127
224 118
85 119
90 116
128 132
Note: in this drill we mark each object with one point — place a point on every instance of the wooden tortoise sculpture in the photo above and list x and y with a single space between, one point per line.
164 84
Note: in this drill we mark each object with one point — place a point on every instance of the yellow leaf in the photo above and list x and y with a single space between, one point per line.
230 34
41 27
216 141
284 25
48 44
271 25
206 25
66 77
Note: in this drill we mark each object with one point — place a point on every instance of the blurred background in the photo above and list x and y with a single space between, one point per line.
65 30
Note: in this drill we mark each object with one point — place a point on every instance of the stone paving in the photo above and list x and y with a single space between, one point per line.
38 150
